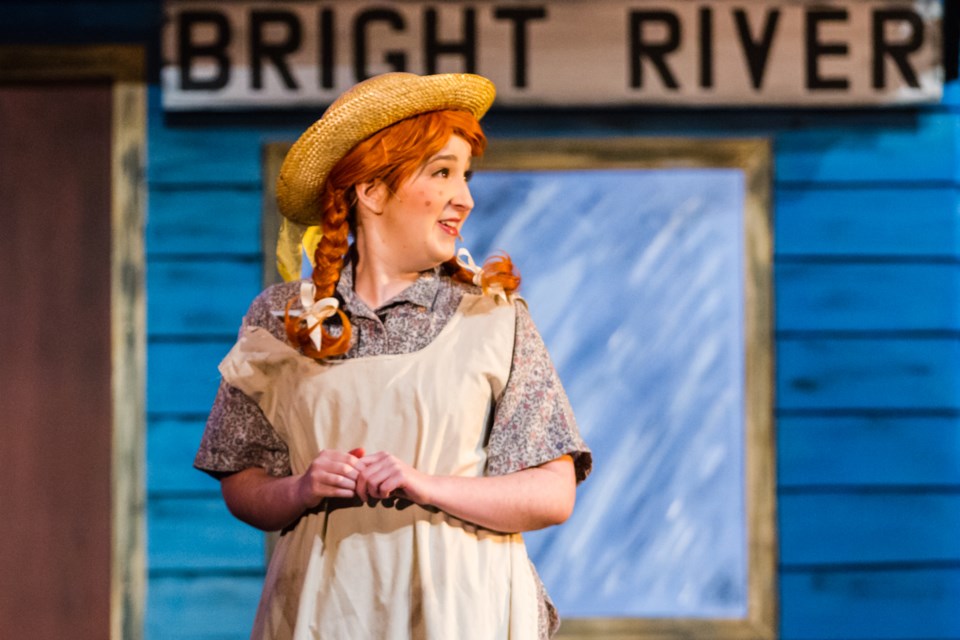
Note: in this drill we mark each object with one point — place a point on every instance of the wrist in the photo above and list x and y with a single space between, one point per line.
430 490
302 497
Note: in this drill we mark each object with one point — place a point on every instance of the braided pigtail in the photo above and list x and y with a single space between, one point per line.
497 272
328 262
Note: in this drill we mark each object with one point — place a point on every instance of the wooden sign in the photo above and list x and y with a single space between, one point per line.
222 55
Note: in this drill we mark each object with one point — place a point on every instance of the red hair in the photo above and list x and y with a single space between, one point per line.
392 155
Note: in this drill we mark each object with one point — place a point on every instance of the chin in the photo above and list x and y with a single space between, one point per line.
441 254
432 260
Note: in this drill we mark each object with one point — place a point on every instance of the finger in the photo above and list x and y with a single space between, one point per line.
347 471
373 458
327 484
361 486
340 481
373 489
369 468
391 485
385 483
336 468
382 460
371 478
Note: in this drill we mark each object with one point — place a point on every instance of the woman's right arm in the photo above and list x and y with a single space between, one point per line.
271 503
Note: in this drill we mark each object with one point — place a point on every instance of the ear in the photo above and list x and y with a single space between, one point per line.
372 196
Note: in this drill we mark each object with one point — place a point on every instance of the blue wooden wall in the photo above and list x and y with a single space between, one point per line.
867 224
867 277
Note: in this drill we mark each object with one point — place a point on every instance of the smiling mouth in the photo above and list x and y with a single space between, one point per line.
449 227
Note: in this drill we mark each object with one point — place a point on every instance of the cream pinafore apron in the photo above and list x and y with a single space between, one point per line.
379 572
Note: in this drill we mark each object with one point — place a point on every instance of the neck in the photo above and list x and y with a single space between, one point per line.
377 280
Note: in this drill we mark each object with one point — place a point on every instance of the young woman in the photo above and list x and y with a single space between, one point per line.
396 415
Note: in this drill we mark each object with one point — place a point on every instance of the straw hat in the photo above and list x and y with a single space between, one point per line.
360 112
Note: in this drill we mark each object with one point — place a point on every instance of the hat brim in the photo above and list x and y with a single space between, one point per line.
360 112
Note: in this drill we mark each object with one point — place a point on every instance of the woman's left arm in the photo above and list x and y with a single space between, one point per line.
525 500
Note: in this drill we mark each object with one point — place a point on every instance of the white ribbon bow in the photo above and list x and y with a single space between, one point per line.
465 260
315 312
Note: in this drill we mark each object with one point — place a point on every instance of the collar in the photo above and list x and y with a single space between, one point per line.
422 293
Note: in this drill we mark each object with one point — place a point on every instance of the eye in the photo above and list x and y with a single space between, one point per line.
442 173
468 175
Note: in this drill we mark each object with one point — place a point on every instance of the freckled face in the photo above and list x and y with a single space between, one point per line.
423 219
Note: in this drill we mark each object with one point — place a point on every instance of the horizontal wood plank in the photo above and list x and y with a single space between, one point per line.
209 607
204 222
924 146
864 528
907 604
924 149
867 297
182 378
200 534
200 298
214 154
868 373
811 147
171 446
859 451
867 221
951 95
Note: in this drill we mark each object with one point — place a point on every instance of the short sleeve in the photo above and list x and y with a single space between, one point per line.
533 422
237 435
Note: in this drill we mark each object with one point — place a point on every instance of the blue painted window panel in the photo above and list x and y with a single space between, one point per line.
200 298
867 297
868 451
868 373
635 280
867 221
207 223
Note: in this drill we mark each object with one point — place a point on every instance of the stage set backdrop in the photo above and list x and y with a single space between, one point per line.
737 224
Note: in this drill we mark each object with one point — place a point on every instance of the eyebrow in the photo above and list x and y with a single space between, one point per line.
447 156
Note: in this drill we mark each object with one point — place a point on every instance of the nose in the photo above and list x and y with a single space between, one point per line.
462 199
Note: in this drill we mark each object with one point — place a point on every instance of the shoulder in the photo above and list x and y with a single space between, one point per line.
453 287
264 309
529 346
449 283
450 293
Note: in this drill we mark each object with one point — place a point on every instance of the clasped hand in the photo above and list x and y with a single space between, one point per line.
338 474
